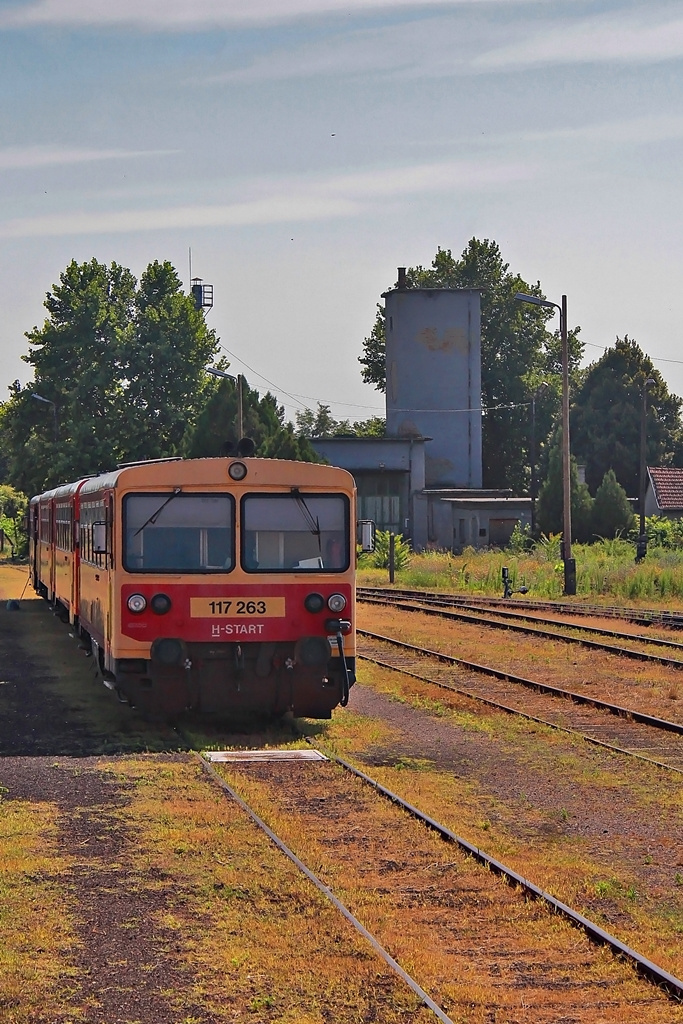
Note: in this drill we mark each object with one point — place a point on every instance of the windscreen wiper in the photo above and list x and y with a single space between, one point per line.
155 515
313 522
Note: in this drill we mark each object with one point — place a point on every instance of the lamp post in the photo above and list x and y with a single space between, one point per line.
39 398
569 562
641 547
238 381
534 483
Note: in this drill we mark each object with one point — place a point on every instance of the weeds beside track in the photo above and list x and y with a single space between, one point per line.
629 731
438 913
504 619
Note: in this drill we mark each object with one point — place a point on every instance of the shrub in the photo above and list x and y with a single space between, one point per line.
380 556
612 512
13 506
521 539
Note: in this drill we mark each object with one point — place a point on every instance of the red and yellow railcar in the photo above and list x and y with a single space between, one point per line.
218 585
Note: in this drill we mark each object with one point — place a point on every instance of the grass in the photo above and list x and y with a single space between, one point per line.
256 936
649 686
606 572
418 896
36 934
537 840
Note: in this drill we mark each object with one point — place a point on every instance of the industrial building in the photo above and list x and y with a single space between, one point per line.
424 478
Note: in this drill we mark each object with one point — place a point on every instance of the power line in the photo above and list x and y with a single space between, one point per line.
346 405
655 359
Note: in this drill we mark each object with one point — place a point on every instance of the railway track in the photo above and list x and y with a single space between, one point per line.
510 620
463 918
640 616
621 729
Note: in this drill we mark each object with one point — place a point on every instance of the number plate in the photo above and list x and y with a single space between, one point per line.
237 607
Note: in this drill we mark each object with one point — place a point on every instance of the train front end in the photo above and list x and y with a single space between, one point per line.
234 591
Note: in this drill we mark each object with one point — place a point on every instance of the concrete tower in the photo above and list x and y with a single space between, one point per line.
433 360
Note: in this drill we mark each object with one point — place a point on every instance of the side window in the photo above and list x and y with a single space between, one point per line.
64 524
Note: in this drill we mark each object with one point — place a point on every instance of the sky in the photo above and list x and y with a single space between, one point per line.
302 150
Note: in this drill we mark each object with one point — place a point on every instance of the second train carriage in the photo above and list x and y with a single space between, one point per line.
212 584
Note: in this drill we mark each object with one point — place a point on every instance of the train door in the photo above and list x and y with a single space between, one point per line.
34 522
107 543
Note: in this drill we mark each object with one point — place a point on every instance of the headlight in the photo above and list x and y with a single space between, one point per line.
237 471
336 603
136 603
160 604
314 602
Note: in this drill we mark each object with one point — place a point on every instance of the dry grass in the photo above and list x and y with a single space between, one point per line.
36 936
641 685
536 834
260 941
105 724
479 947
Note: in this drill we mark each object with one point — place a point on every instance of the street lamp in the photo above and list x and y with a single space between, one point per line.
569 562
534 483
641 547
39 398
238 381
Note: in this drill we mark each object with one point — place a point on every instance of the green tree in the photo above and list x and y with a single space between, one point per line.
123 367
216 425
318 424
285 444
606 417
323 424
550 498
162 366
612 512
517 353
13 506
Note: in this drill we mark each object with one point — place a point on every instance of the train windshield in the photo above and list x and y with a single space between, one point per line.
178 532
295 532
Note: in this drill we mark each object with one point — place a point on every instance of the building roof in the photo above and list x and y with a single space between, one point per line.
667 484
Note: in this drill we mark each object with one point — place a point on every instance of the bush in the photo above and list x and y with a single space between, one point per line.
664 533
521 539
612 512
13 506
380 556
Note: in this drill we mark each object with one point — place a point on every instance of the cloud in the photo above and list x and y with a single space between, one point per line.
647 36
630 131
14 158
429 46
172 15
444 46
287 201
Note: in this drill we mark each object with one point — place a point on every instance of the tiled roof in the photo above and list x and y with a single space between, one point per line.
668 486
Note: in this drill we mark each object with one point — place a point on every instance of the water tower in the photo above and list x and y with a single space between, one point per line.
433 363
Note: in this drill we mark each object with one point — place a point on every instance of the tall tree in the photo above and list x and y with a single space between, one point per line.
612 512
121 370
550 498
162 368
262 420
606 417
323 424
518 352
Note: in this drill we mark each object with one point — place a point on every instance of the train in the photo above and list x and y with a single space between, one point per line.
223 586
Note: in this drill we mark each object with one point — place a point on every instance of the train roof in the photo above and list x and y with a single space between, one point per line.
214 473
64 490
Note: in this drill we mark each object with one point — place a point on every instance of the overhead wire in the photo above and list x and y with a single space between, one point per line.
655 359
294 397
